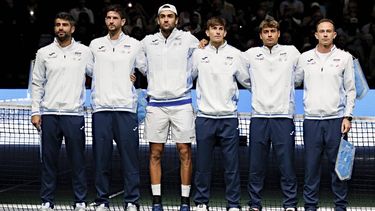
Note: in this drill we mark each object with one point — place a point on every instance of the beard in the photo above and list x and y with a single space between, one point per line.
62 37
113 30
167 30
167 27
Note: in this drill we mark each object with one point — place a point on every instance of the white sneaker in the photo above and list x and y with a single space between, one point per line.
80 206
201 207
234 209
290 209
102 207
131 207
45 207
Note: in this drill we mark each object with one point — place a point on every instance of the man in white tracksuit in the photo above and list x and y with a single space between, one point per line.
272 70
58 96
329 95
169 79
218 67
114 102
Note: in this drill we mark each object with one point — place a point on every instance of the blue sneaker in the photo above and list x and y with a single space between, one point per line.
184 207
157 207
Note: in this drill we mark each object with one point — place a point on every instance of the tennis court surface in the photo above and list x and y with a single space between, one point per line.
20 168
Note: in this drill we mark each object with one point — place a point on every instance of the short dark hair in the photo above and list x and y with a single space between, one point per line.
323 20
269 23
116 8
66 16
215 21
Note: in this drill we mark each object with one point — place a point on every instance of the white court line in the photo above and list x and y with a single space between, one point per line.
26 207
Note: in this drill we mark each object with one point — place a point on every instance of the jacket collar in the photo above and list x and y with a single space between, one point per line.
331 50
121 37
213 48
175 33
274 48
66 47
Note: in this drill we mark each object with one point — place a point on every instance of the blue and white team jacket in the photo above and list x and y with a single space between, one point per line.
272 73
112 64
218 71
58 79
168 67
329 86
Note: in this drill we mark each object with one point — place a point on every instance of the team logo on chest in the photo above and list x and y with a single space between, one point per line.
228 60
283 57
336 62
77 55
126 49
177 42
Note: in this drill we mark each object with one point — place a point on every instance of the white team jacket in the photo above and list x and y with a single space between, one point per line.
168 66
218 71
58 79
272 74
112 64
329 87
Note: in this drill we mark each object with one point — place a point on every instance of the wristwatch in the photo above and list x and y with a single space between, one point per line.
348 118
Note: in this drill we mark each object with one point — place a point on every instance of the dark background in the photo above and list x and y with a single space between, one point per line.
27 25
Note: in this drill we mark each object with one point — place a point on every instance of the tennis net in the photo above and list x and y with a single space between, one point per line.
20 168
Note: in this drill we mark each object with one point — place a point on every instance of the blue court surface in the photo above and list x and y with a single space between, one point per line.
20 169
363 107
